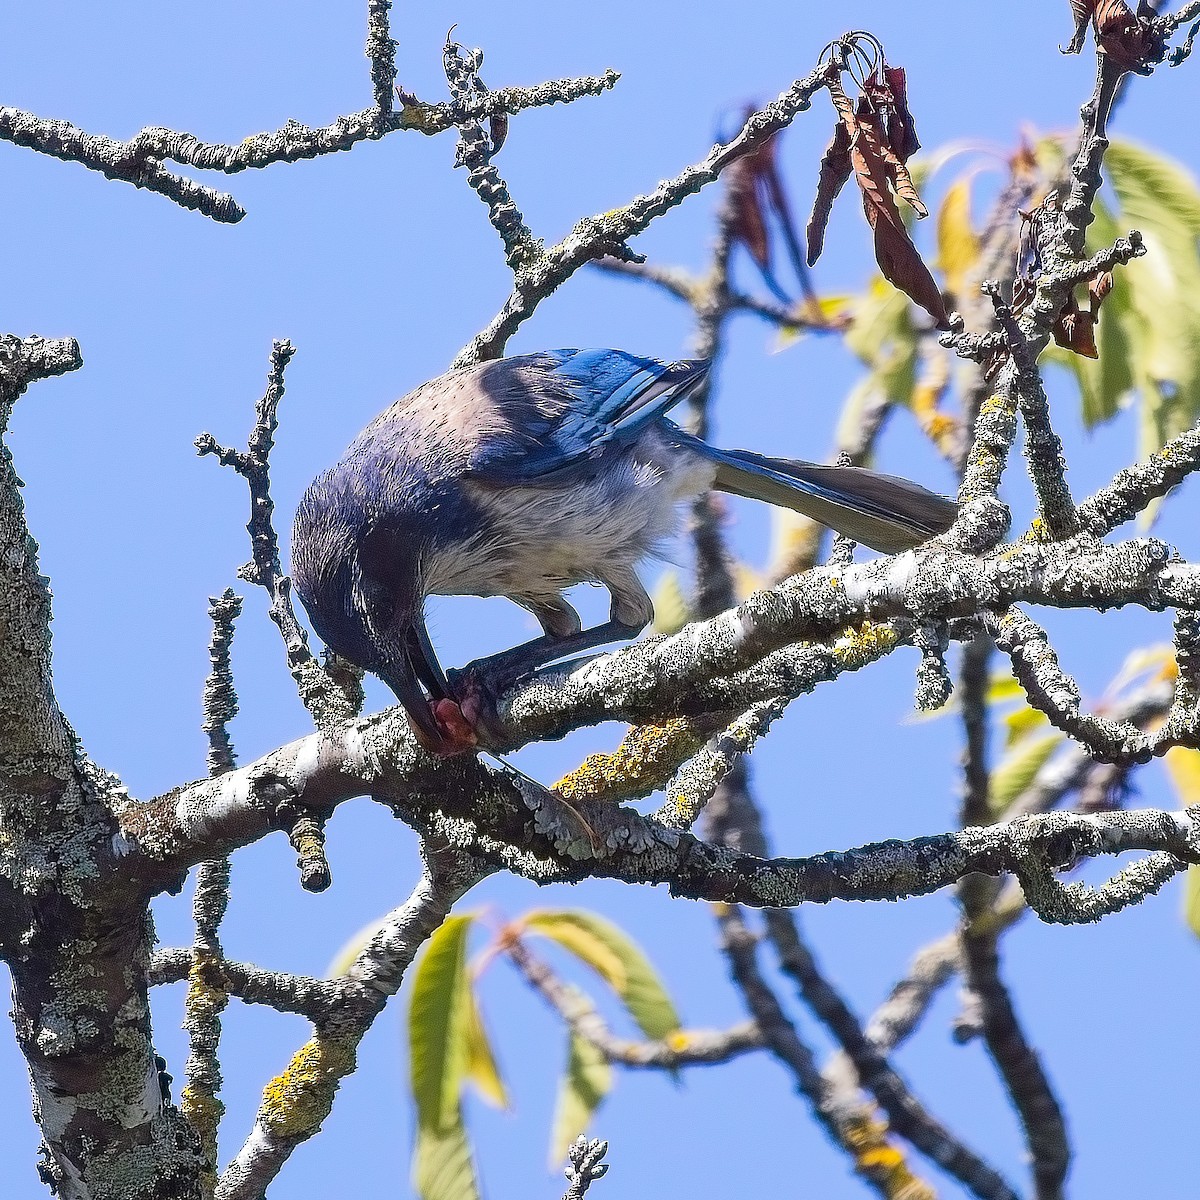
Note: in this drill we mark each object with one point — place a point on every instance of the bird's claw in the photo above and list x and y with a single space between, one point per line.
479 687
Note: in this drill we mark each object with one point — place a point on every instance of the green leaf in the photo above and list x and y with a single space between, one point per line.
1016 770
481 1062
587 1081
437 1025
671 611
617 958
442 1167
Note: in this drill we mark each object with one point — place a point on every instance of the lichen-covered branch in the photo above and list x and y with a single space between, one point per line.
298 1100
73 928
1136 487
206 997
140 160
607 233
328 702
475 152
584 1166
316 999
1053 692
1043 449
693 784
696 669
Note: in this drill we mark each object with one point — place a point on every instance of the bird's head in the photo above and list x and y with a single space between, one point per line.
366 603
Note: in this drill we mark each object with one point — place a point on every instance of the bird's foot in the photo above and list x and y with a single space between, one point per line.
479 687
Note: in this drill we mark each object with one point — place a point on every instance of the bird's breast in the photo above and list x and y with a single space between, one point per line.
608 514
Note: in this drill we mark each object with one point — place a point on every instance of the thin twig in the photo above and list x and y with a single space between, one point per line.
327 702
693 1047
584 1166
207 997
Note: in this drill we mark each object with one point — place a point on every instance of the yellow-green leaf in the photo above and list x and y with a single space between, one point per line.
671 611
587 1081
884 337
617 958
1183 767
481 1062
442 1167
346 957
1191 899
1003 686
1019 723
437 1025
575 931
958 246
1016 770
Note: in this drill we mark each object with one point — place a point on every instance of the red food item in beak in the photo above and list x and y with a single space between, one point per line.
457 732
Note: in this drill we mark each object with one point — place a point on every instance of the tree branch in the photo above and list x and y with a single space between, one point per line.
607 233
693 1047
298 1100
140 160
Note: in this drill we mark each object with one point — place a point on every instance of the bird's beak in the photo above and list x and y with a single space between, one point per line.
402 679
419 665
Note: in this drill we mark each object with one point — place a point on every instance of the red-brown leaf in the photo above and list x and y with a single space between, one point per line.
835 170
1099 288
1075 329
894 168
875 168
903 267
497 131
1130 43
1129 40
1082 10
892 92
749 224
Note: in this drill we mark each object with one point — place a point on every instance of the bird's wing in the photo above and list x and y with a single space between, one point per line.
570 404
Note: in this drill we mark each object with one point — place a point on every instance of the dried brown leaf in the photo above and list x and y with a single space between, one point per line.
1075 329
1082 11
901 128
1129 39
835 170
749 223
875 171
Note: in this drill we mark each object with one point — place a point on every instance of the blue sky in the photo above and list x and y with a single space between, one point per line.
379 265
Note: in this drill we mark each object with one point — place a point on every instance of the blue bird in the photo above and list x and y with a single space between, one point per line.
521 477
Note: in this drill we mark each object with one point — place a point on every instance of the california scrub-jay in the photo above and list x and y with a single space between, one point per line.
521 477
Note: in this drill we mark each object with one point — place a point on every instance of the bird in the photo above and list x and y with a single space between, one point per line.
521 477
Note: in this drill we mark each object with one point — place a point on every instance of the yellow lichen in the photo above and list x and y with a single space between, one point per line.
862 644
881 1161
646 758
298 1099
202 1111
